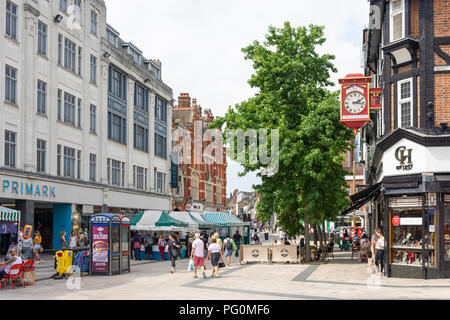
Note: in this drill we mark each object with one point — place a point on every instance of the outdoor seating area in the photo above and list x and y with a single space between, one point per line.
16 274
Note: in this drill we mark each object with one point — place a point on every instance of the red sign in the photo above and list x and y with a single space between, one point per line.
396 221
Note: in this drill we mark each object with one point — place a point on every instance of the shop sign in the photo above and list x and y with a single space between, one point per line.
100 250
188 207
396 221
403 156
28 189
410 221
8 227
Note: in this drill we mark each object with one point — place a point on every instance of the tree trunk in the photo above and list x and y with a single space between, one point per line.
319 235
307 246
325 237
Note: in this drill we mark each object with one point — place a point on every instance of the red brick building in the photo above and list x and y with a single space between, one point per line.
202 186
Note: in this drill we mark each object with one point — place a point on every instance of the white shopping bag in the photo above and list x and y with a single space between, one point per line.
191 265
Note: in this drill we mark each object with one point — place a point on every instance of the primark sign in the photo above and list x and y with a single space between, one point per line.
13 187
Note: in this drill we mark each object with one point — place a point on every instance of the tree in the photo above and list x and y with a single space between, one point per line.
292 78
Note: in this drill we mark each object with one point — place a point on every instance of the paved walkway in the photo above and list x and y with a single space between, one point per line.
338 279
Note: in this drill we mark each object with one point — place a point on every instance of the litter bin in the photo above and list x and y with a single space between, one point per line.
63 262
266 236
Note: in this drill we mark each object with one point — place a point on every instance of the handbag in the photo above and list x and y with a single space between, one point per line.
41 249
222 265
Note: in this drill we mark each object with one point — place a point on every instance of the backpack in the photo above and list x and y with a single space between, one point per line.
229 246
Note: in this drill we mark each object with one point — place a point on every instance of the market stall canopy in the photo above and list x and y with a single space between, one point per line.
167 221
9 215
206 224
224 219
147 221
191 220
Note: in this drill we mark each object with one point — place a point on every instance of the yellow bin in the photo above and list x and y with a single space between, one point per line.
64 262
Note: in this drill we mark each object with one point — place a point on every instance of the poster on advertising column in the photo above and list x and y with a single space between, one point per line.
100 249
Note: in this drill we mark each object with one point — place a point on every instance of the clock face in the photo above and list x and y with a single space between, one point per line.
355 102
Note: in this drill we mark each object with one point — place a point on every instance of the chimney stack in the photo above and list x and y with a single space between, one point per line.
184 101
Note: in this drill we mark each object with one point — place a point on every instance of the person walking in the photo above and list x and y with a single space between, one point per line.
37 245
137 246
161 246
82 241
62 239
214 254
205 243
27 248
237 240
197 255
379 255
174 247
228 245
148 242
73 241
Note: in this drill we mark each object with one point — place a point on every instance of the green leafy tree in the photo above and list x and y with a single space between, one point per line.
292 79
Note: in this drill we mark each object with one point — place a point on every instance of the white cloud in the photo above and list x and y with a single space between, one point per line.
199 43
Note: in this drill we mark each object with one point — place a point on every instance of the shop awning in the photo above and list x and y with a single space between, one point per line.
224 219
361 198
146 221
206 224
9 215
193 222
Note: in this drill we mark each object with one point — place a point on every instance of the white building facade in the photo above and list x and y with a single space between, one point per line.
84 119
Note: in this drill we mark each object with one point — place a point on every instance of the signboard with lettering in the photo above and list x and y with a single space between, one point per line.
100 248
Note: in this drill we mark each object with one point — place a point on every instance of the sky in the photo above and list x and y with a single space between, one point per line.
199 44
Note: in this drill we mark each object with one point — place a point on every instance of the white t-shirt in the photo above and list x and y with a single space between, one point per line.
214 248
9 266
380 243
198 246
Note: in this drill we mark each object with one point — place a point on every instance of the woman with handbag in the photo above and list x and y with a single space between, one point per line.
174 248
37 245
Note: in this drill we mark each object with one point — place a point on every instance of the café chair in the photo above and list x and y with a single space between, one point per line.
16 272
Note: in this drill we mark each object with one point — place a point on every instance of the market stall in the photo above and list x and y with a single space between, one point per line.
195 224
228 223
159 223
9 227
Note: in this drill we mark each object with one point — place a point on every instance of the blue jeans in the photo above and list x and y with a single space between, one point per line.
238 245
137 253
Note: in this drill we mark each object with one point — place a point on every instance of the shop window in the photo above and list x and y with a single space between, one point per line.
446 231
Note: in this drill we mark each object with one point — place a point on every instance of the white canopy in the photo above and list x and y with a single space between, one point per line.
184 216
148 220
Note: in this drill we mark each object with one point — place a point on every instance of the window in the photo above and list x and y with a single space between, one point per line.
117 107
10 149
92 166
93 118
156 70
160 109
69 54
10 84
58 160
195 187
79 60
11 20
139 177
94 22
397 22
60 44
41 97
42 38
41 152
78 12
446 233
140 97
140 138
117 83
115 172
405 103
63 5
69 108
160 146
160 182
79 164
112 37
93 69
79 113
116 128
219 193
59 106
209 192
69 162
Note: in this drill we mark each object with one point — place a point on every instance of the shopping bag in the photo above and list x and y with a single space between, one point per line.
191 265
29 278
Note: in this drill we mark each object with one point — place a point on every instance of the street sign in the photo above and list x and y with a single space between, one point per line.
174 170
396 221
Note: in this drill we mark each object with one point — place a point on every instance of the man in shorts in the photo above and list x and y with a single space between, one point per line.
197 254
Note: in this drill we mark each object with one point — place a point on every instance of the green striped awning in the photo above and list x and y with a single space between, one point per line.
223 219
9 215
